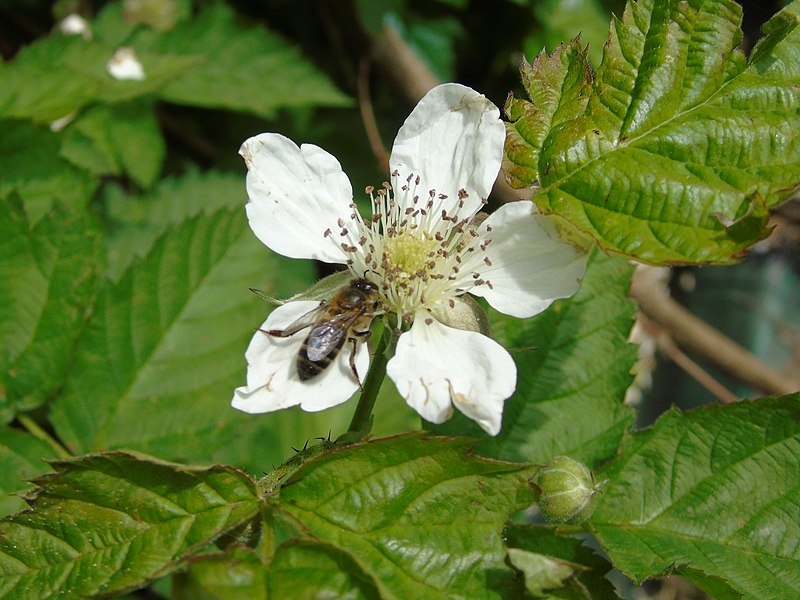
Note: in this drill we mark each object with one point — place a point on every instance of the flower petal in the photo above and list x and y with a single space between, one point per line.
453 139
296 195
530 265
436 366
272 379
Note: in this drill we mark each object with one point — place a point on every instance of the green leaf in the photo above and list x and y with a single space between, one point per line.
573 368
112 140
49 276
712 493
399 507
33 169
234 575
107 523
58 75
558 86
311 569
23 457
683 145
136 222
159 360
549 554
542 573
244 69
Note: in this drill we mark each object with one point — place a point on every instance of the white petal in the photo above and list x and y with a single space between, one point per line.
530 265
75 24
436 366
453 140
272 380
124 65
296 194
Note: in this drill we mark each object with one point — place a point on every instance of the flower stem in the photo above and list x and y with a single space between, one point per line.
33 427
371 387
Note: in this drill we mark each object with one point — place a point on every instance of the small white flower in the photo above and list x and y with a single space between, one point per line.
424 249
75 24
124 65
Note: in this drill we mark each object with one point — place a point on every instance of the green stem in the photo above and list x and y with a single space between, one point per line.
33 427
372 385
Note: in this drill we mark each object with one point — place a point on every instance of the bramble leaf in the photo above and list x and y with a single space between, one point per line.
683 145
49 277
108 523
244 69
158 362
117 139
23 458
712 494
33 169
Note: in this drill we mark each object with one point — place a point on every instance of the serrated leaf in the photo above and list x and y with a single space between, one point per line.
542 573
58 75
33 169
112 140
684 145
397 506
587 568
712 492
234 575
49 276
157 365
109 523
246 69
558 86
310 569
573 368
138 221
23 457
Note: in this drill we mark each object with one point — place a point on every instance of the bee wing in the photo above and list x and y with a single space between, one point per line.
328 336
303 321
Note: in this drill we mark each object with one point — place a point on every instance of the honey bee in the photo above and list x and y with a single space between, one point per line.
345 318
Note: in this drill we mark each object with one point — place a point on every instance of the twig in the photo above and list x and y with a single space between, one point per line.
368 115
667 346
702 339
34 428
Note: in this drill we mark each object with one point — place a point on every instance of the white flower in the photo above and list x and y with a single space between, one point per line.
75 24
421 246
124 65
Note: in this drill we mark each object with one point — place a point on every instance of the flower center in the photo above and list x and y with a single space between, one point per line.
408 254
422 249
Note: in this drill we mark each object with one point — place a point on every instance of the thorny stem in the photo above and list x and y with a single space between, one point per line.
372 385
33 427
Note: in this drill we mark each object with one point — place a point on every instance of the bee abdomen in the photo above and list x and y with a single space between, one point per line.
308 369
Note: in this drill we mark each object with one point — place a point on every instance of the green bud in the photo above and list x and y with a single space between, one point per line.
568 491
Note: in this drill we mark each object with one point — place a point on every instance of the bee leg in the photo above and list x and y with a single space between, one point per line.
363 336
353 364
282 333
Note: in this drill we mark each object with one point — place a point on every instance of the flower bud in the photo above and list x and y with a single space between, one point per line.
568 491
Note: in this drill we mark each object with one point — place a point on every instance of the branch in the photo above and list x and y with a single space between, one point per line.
705 341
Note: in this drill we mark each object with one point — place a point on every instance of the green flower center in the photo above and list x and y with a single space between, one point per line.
409 254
